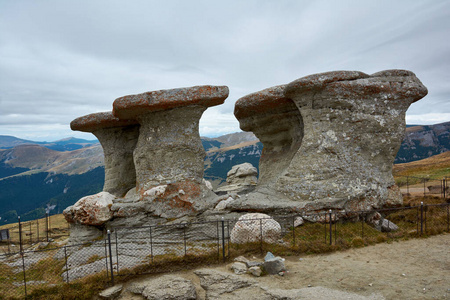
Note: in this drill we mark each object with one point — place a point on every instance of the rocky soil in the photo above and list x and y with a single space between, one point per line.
414 269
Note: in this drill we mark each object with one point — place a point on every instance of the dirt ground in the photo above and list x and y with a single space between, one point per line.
413 269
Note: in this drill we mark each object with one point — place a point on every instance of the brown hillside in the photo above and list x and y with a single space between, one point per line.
41 159
436 166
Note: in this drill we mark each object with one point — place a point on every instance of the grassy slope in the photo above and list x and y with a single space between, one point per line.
436 167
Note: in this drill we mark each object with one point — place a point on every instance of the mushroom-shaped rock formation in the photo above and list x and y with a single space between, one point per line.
353 127
169 148
169 154
277 123
118 139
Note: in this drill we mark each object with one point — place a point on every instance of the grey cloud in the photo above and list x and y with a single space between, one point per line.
64 59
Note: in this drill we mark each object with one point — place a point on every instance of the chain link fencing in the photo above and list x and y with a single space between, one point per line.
130 251
24 235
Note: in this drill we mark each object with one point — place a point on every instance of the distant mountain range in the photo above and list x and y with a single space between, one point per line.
35 176
68 144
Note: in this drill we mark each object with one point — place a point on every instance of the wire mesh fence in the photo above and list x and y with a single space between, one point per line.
424 186
23 235
163 248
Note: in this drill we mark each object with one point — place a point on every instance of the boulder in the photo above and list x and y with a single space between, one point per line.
380 223
386 226
118 139
274 265
171 288
239 268
240 178
112 292
255 271
91 210
298 221
217 283
222 205
80 234
255 226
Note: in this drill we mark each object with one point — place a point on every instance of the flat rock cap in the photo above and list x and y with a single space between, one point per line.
320 80
128 107
96 121
262 102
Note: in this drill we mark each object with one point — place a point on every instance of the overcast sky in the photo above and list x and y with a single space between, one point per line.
63 59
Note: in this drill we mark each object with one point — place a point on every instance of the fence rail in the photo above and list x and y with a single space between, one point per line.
161 248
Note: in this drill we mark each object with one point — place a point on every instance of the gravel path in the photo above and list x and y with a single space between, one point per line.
413 269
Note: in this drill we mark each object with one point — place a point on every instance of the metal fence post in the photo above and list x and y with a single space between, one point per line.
46 224
20 235
106 258
223 239
37 230
228 237
67 268
331 229
407 186
117 251
444 186
24 275
110 257
421 218
31 235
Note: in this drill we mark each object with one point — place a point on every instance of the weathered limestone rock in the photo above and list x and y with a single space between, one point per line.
112 292
277 123
353 127
83 233
274 265
249 228
218 283
380 223
239 268
240 178
169 287
169 154
244 174
340 154
91 210
255 271
169 148
118 139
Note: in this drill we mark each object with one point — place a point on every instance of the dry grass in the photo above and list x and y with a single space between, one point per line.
308 238
35 230
432 168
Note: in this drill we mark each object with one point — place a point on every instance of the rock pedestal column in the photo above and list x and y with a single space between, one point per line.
169 154
118 139
277 123
353 127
